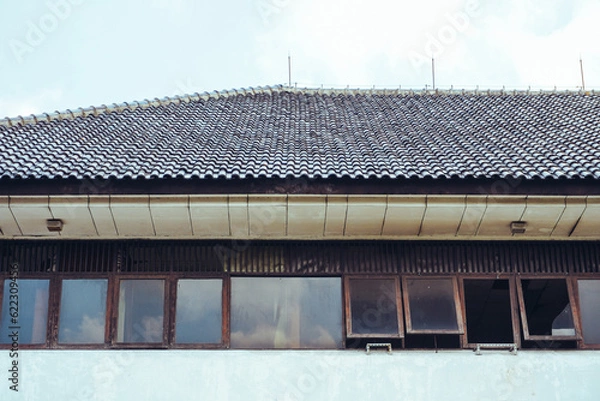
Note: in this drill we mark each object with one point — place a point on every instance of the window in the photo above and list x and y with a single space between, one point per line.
489 312
374 308
432 306
219 311
82 311
286 312
546 310
141 311
30 296
589 306
199 313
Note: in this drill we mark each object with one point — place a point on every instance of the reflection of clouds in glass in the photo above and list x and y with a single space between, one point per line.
187 308
264 336
150 329
89 330
322 339
198 318
290 313
261 337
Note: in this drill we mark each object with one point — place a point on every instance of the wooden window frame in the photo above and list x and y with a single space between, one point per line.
457 305
56 306
287 275
225 285
169 325
115 311
514 305
573 301
581 343
50 276
348 306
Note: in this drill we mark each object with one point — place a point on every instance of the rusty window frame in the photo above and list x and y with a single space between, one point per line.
457 305
54 343
582 344
348 306
115 311
573 301
285 276
225 305
55 284
50 312
514 305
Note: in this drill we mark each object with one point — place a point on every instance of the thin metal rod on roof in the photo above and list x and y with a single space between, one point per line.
289 70
433 72
581 69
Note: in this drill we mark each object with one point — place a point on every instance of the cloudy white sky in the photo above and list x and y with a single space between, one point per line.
59 54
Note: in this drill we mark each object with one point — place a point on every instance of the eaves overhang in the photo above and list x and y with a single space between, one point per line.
301 185
301 216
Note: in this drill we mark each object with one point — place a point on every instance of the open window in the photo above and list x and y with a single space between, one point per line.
489 312
546 309
589 309
286 312
374 308
432 306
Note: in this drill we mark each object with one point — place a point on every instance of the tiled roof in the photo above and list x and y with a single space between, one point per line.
283 132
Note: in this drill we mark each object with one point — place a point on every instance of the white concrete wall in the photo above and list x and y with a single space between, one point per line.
302 375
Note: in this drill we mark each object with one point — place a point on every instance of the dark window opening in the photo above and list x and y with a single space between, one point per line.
547 344
546 309
488 310
432 341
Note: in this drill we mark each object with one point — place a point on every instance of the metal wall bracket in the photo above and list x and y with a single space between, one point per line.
379 345
512 348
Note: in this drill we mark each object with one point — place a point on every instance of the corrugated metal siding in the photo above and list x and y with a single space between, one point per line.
302 258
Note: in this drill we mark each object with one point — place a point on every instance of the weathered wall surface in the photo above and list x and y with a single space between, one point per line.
215 375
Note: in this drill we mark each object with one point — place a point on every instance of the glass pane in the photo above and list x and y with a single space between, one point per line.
547 307
589 298
296 312
82 311
31 298
489 318
198 318
373 307
432 306
141 308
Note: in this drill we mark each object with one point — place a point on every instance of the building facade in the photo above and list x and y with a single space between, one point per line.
291 244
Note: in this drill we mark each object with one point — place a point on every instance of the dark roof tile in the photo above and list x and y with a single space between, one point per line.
311 133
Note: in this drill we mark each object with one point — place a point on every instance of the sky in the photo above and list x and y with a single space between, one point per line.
64 54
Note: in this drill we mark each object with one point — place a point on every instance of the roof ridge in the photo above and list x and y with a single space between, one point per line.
194 97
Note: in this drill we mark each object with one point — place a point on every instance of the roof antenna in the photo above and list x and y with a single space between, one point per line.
581 69
289 70
433 72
